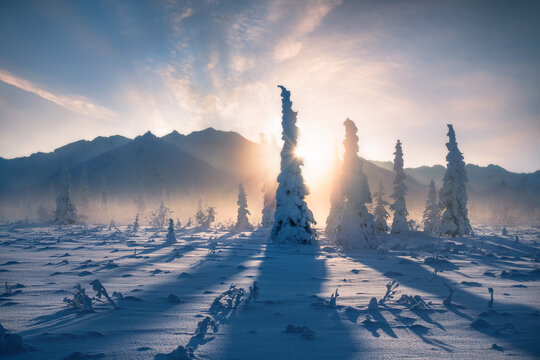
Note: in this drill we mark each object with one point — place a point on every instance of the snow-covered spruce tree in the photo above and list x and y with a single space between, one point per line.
381 215
210 216
65 213
453 194
292 218
356 229
269 206
337 200
242 222
171 238
135 226
432 214
399 223
84 191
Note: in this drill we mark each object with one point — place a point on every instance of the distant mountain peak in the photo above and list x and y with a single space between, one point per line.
147 135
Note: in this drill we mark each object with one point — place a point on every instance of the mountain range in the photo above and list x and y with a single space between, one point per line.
213 162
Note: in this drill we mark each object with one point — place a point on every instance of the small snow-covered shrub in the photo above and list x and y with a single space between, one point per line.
101 291
413 302
204 325
80 300
253 293
227 302
83 302
391 290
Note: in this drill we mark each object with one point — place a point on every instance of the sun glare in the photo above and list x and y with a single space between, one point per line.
317 154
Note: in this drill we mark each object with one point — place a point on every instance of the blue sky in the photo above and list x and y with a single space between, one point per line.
74 70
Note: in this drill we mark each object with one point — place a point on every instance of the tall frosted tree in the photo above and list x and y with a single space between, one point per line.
65 212
269 206
381 215
337 200
399 207
432 214
453 194
292 218
242 222
356 229
269 181
84 191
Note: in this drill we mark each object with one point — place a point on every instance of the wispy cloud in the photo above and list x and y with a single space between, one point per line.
76 103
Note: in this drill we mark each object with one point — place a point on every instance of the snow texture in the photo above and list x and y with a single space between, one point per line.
293 221
356 229
453 194
399 222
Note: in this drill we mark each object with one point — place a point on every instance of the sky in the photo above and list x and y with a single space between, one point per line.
73 70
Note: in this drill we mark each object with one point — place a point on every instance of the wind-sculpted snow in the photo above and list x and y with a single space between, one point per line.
228 295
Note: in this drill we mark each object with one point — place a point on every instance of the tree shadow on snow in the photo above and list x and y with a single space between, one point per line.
282 323
419 278
150 314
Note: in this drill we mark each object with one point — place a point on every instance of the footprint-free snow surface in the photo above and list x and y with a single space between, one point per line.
225 295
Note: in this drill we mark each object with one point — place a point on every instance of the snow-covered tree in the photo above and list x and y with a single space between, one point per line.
65 213
158 216
356 229
292 218
453 194
269 206
337 200
399 223
242 222
204 220
84 191
171 238
432 214
135 226
381 215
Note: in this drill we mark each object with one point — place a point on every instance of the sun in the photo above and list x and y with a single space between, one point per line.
317 154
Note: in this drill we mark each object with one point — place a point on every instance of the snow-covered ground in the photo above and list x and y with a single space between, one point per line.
295 284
